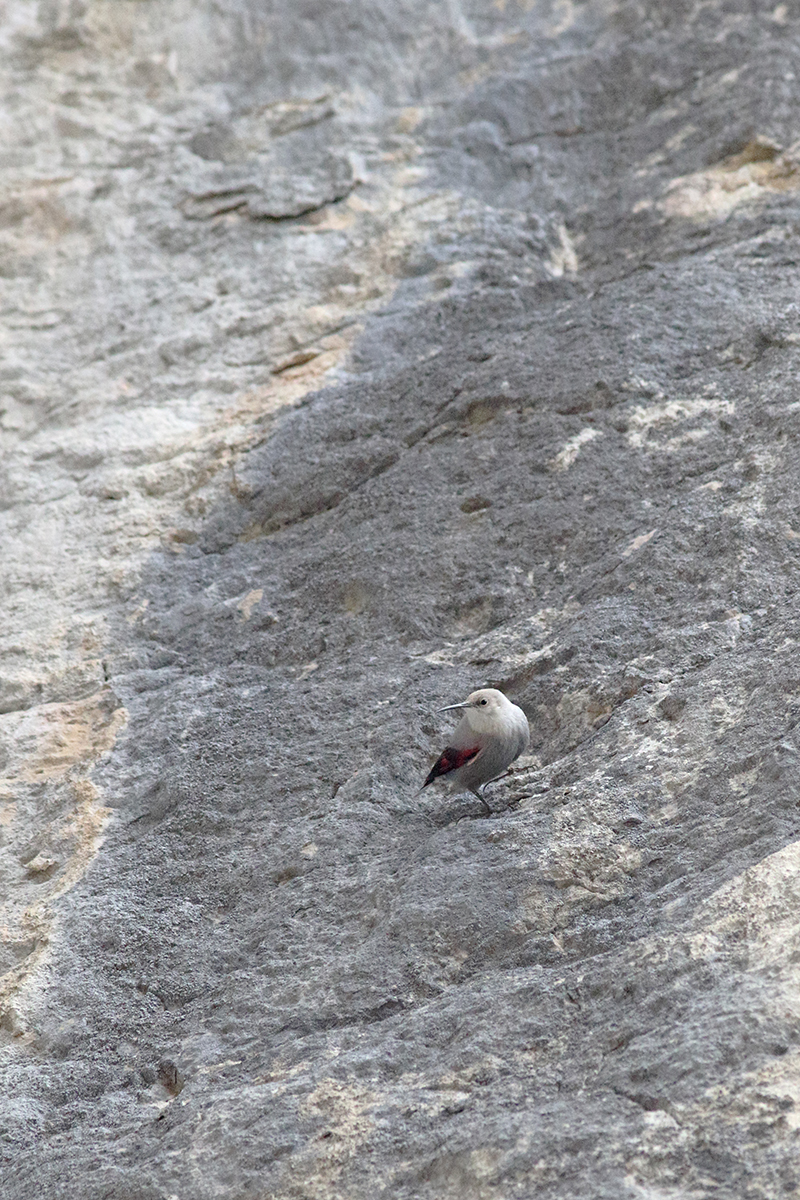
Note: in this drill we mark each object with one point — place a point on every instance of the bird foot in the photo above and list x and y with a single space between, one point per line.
487 811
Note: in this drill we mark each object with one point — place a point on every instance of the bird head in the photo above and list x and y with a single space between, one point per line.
482 708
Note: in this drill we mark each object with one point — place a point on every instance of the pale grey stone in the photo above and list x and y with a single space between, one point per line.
357 355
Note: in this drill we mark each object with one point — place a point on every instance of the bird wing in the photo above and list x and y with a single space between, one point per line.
451 759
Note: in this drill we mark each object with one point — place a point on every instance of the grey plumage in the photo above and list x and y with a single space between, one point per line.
491 734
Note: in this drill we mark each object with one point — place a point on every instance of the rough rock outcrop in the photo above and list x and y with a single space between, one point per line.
355 355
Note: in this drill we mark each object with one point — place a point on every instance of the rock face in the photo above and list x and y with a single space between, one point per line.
356 355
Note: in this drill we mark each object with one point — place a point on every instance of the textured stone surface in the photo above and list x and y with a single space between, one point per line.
356 355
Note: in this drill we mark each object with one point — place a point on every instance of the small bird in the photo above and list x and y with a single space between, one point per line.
490 735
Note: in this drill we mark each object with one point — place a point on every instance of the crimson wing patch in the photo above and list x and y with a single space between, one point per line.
450 760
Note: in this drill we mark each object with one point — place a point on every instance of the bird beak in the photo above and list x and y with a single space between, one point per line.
450 707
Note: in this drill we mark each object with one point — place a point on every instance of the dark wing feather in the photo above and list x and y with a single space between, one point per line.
450 760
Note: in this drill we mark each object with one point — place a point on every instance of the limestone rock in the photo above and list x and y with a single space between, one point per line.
356 355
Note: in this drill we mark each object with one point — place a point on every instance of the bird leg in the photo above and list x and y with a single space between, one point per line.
479 793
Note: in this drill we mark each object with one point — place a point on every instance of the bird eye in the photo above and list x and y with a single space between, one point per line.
484 701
